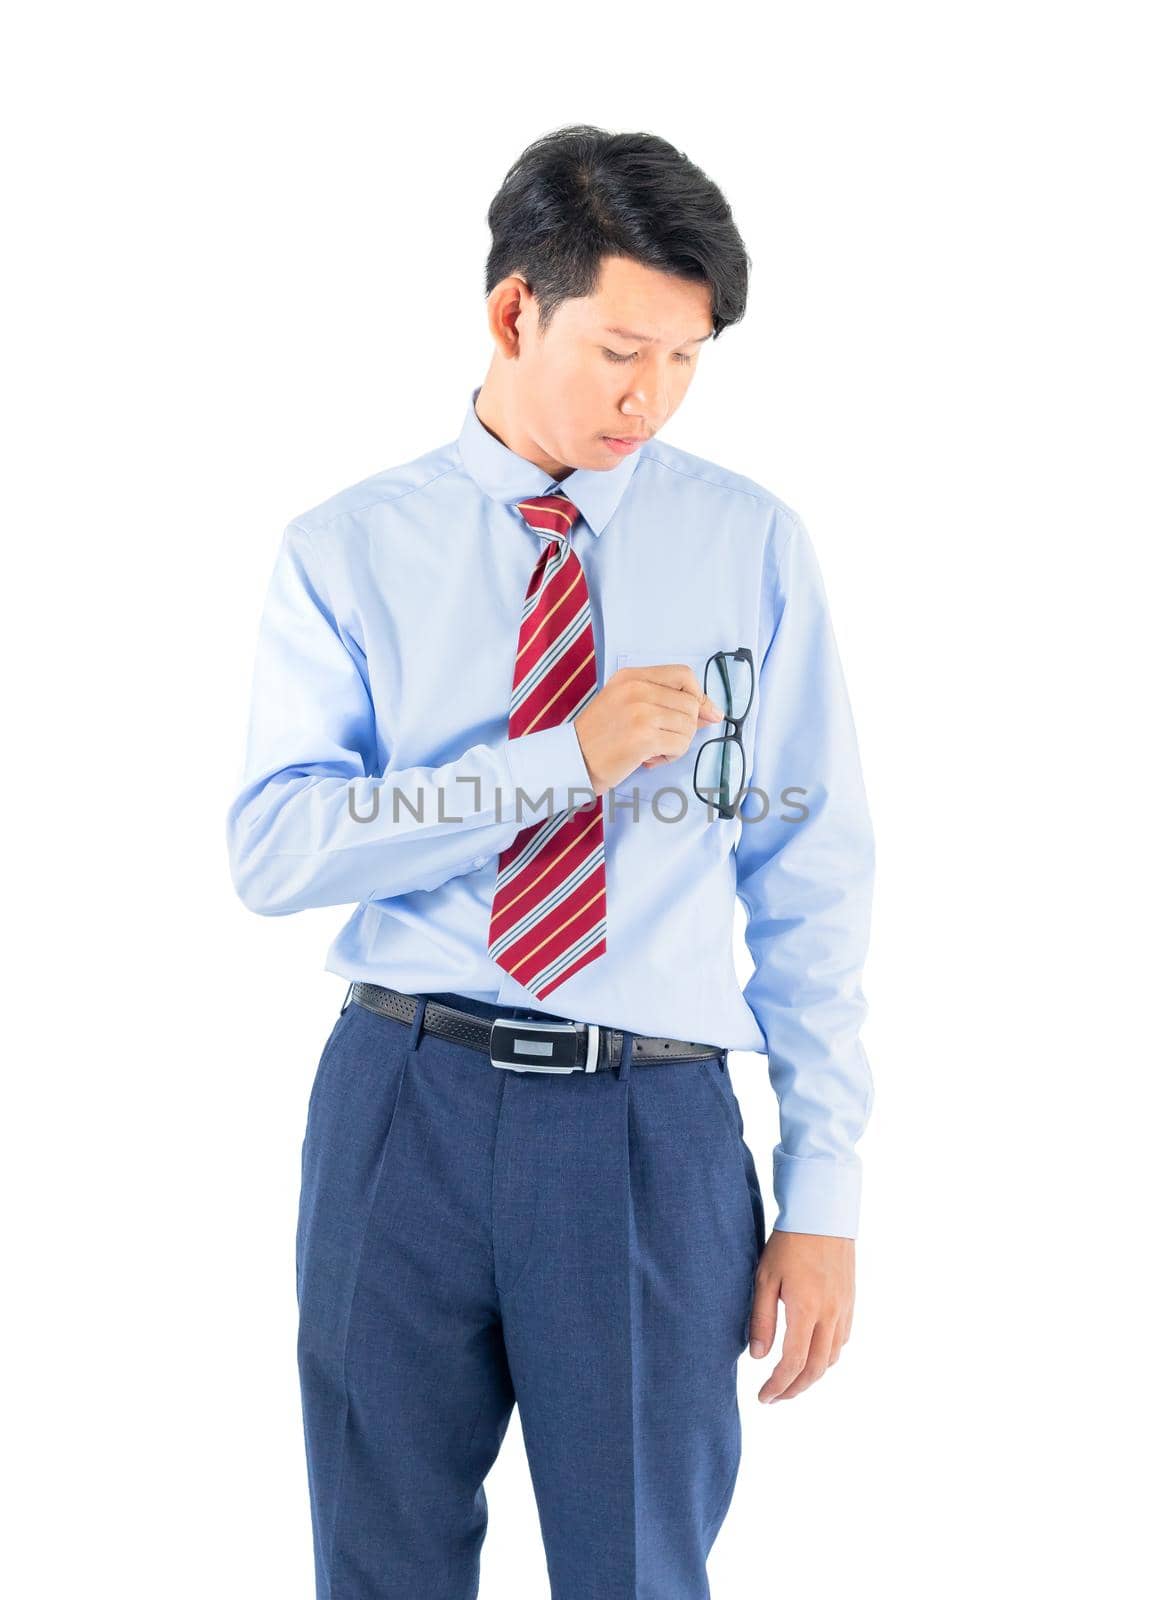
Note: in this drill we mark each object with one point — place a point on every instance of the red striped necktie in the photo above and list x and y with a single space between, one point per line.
548 915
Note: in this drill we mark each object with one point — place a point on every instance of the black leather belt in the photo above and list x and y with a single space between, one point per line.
528 1046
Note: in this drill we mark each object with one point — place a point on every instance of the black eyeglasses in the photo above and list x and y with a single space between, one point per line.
720 768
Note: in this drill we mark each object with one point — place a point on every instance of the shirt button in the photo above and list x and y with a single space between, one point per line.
480 861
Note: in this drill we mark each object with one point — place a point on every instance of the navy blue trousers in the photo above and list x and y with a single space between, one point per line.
471 1238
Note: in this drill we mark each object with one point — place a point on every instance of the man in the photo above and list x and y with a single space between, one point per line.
540 704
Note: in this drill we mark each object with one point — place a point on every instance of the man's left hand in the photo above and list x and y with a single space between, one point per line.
812 1274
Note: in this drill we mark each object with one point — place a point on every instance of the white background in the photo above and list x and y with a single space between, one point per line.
245 265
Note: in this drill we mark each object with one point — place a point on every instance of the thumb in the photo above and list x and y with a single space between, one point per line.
708 711
764 1317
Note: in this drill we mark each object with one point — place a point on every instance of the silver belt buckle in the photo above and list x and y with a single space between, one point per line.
542 1046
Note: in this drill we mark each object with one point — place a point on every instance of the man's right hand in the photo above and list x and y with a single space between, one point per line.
641 716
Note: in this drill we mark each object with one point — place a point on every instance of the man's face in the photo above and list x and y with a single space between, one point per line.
585 381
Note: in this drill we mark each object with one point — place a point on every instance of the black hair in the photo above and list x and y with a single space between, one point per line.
580 193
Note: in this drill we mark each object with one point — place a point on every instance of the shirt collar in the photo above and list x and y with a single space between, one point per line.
508 477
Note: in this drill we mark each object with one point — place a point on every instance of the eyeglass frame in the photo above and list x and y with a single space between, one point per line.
743 653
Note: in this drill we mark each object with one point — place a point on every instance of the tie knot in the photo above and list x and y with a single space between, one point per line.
554 514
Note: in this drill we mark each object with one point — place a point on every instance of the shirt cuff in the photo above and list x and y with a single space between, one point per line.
550 758
817 1194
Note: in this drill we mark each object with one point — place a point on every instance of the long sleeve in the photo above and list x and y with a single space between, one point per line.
806 885
293 840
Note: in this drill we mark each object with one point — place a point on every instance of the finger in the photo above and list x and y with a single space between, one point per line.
795 1348
676 695
668 730
817 1361
679 679
839 1341
764 1317
678 713
674 675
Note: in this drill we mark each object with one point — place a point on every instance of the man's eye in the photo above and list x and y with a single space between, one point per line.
613 355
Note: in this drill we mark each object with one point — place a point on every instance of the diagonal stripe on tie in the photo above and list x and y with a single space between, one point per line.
548 915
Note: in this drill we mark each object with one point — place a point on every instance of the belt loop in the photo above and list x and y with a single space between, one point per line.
624 1058
417 1022
722 1055
347 998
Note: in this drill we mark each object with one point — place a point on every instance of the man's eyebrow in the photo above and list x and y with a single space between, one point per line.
646 338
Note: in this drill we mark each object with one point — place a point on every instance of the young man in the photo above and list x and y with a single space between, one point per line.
524 1175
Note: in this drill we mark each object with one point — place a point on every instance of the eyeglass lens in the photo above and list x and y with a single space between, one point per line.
721 768
728 685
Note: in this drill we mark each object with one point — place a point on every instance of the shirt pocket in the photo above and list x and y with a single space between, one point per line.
676 777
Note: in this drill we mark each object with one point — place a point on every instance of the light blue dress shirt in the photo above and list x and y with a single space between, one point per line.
385 652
